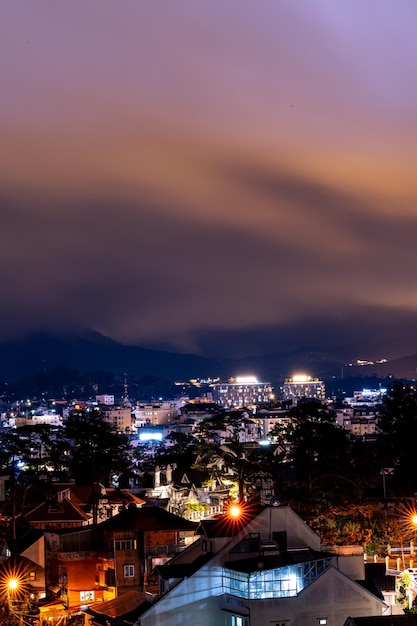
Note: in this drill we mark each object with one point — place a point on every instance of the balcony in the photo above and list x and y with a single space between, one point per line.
152 551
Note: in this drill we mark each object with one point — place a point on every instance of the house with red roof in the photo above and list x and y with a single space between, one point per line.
97 563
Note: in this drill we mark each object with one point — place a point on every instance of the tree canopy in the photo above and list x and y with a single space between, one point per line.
92 449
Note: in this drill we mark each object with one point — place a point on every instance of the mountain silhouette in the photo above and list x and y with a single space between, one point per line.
88 351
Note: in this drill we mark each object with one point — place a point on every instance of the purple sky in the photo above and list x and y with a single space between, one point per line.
209 176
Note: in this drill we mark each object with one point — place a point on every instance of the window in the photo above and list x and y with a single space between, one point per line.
86 596
282 582
322 621
32 575
129 571
125 544
238 620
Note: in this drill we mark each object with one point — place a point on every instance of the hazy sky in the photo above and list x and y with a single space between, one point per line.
210 176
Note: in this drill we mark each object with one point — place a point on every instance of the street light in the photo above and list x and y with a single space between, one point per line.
235 511
13 584
14 595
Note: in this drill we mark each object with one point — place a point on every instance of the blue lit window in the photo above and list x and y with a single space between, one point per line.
129 571
283 582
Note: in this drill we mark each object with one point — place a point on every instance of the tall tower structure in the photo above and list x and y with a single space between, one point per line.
126 402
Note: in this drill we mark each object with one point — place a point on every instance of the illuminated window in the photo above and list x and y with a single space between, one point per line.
129 571
32 575
283 582
86 596
322 621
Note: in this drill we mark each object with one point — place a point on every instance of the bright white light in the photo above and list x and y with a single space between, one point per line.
235 511
264 442
246 379
150 436
301 378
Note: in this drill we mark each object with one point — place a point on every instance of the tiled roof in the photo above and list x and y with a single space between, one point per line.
127 603
371 585
147 518
54 512
273 561
183 570
122 496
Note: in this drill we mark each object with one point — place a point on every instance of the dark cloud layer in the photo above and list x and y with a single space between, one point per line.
219 178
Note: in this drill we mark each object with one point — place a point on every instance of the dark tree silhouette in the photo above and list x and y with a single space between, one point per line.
316 449
93 449
398 434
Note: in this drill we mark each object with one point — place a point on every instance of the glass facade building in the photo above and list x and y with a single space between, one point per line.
282 582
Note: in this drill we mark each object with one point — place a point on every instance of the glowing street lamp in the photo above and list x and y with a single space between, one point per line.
13 591
413 524
13 584
235 511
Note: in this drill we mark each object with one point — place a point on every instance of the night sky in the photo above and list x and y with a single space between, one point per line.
223 177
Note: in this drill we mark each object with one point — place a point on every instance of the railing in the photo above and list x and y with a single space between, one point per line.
74 555
162 550
352 550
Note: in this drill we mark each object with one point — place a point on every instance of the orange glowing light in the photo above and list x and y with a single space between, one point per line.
235 511
408 519
13 583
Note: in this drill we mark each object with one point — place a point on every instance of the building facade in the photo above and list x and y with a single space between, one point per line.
242 392
302 386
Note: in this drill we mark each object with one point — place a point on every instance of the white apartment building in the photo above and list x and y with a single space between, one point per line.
155 413
243 391
303 386
268 418
361 420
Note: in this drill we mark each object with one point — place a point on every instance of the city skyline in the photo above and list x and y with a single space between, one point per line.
210 178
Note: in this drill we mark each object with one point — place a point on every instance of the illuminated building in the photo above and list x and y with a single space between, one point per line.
89 565
154 413
242 391
302 386
119 418
106 399
263 566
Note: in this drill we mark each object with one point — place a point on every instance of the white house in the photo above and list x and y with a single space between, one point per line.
265 567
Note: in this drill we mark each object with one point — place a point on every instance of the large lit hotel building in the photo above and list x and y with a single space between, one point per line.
242 391
302 386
